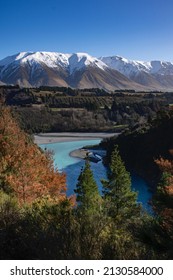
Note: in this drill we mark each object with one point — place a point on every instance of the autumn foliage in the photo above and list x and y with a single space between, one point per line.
163 203
24 169
38 221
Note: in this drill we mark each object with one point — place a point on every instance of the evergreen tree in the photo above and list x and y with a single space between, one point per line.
87 192
117 190
122 212
90 221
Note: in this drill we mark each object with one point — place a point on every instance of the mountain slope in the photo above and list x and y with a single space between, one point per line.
92 77
78 70
153 74
33 69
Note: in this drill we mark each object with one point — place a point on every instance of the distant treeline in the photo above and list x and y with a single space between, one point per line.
47 109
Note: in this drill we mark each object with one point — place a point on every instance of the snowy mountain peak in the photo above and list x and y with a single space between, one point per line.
50 59
132 67
70 62
83 70
22 55
78 61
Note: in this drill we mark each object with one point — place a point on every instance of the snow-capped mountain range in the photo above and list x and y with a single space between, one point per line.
129 67
81 70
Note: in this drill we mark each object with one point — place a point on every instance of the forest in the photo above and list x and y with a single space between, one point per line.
39 221
48 109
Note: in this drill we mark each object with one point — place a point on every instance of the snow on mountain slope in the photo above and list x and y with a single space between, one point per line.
10 59
70 62
47 68
78 61
161 67
80 69
131 67
153 74
81 60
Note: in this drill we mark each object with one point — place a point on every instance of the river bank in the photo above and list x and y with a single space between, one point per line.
79 153
58 137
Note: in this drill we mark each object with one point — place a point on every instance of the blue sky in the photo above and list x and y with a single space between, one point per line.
135 29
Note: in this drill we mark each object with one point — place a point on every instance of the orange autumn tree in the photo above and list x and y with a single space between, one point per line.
24 169
163 200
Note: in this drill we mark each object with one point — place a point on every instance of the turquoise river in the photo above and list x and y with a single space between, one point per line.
72 167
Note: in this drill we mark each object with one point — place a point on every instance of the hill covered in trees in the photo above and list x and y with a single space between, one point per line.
140 147
38 220
25 170
55 109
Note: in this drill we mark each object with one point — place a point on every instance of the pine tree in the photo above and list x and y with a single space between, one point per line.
117 190
87 192
89 216
122 211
